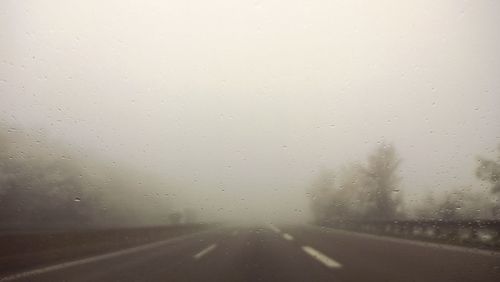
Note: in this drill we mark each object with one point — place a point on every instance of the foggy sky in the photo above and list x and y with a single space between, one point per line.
241 103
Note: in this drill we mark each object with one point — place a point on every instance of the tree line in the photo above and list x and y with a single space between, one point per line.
46 184
371 191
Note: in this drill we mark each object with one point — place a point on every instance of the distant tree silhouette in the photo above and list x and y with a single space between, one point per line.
320 196
175 218
42 184
381 183
41 189
365 192
489 170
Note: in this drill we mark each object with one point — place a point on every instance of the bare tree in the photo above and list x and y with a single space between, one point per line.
489 170
320 195
381 183
365 192
348 200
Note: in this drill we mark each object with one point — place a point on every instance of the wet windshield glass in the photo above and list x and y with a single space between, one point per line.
249 140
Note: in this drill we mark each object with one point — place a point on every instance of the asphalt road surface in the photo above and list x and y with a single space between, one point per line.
277 253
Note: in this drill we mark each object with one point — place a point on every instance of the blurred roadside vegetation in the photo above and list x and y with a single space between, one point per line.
44 184
371 191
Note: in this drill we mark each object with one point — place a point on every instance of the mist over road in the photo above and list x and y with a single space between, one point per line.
155 140
278 253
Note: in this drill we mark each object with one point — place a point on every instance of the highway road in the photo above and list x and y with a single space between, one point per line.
277 253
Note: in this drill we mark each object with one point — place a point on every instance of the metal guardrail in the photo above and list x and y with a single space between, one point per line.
484 233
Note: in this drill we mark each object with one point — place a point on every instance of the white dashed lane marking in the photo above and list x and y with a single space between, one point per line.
274 228
124 252
319 256
288 237
205 251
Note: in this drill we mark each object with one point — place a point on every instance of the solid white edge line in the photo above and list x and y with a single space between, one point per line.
416 242
319 256
127 251
205 251
288 237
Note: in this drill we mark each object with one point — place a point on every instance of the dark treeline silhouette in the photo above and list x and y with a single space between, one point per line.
364 191
489 170
466 203
371 191
44 184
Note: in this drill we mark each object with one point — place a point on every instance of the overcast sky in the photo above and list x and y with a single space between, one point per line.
240 103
